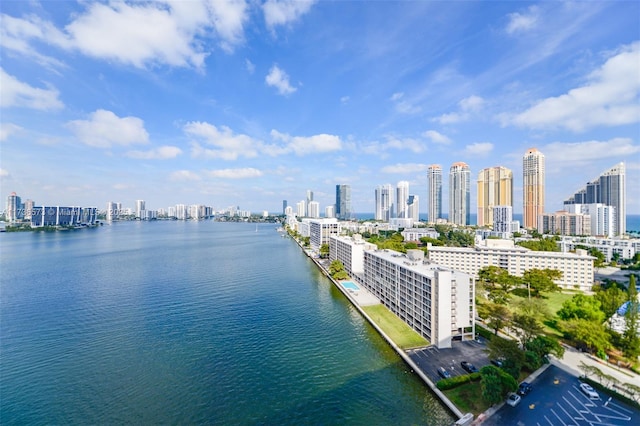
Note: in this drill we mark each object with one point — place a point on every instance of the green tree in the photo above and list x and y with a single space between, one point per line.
335 266
509 352
433 241
496 384
610 298
543 244
410 245
630 337
600 260
581 306
591 334
324 250
498 283
541 280
527 327
496 315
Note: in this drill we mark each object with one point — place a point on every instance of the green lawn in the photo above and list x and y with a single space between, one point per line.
402 335
468 398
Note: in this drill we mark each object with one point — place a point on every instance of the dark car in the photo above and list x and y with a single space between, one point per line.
444 373
498 362
524 388
468 367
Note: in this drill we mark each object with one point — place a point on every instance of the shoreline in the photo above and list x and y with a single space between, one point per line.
453 409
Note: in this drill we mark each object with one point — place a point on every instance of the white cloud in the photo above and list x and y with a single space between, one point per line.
226 144
436 137
406 168
402 105
282 12
581 153
303 145
280 80
610 98
251 68
478 149
14 92
105 129
392 143
467 107
4 173
161 32
160 153
519 22
183 175
345 99
242 173
7 129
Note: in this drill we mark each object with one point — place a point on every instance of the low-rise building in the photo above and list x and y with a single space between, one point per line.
576 268
63 216
350 251
625 248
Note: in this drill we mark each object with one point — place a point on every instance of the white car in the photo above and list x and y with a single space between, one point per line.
589 391
513 399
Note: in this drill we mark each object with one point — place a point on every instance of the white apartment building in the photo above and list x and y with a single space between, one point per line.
313 209
576 268
626 248
350 251
321 230
414 234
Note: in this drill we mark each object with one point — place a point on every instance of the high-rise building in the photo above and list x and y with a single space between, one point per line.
609 189
28 208
564 223
402 200
301 208
112 211
330 211
460 194
140 209
343 202
384 202
532 187
413 208
495 188
434 192
603 218
309 199
284 207
14 208
313 209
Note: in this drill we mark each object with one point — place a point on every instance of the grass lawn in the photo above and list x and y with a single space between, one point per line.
403 335
468 398
554 302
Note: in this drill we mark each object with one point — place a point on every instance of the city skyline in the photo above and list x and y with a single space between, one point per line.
252 103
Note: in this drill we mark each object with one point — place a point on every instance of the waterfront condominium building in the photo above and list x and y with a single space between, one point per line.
301 208
140 209
384 202
284 207
321 230
330 211
402 199
459 194
576 268
313 209
14 208
532 187
343 202
434 301
609 189
495 188
434 192
564 223
413 208
309 199
603 218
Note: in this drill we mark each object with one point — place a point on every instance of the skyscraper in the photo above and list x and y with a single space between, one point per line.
495 188
459 194
384 202
14 208
434 192
343 202
402 199
284 207
532 187
309 199
140 209
413 208
609 189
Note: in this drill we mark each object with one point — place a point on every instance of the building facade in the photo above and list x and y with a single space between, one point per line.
576 268
343 202
564 223
532 187
63 216
495 188
14 208
434 193
384 202
622 248
321 230
402 200
413 208
459 194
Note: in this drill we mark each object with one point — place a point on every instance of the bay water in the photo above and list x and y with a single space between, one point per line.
189 323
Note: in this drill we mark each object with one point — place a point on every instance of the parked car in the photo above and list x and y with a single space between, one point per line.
444 373
497 362
468 367
589 391
524 388
513 399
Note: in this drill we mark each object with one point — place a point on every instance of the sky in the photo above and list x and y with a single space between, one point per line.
247 103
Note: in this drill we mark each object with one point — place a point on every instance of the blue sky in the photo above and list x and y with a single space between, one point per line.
247 103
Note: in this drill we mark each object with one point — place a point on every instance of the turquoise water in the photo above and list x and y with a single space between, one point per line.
189 323
349 285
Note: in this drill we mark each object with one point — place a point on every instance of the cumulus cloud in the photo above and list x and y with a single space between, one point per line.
7 129
160 153
225 144
610 98
466 108
436 137
303 145
15 93
402 105
405 168
393 143
478 149
241 173
519 22
280 80
183 175
283 12
251 68
161 32
105 129
581 153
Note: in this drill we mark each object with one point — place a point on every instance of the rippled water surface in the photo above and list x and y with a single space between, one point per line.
189 323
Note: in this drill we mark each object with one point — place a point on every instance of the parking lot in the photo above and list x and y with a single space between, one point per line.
431 358
556 399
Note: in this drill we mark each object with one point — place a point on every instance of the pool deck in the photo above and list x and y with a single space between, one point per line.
361 296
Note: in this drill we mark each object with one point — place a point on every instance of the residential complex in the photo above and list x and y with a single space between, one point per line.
532 187
320 230
435 301
434 192
622 248
460 194
495 188
576 268
608 189
63 216
564 223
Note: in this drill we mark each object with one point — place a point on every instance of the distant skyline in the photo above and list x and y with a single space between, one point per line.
251 103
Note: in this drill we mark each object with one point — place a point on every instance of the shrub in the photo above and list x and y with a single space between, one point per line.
454 382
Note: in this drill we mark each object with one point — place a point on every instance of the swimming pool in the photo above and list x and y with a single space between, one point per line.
350 285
